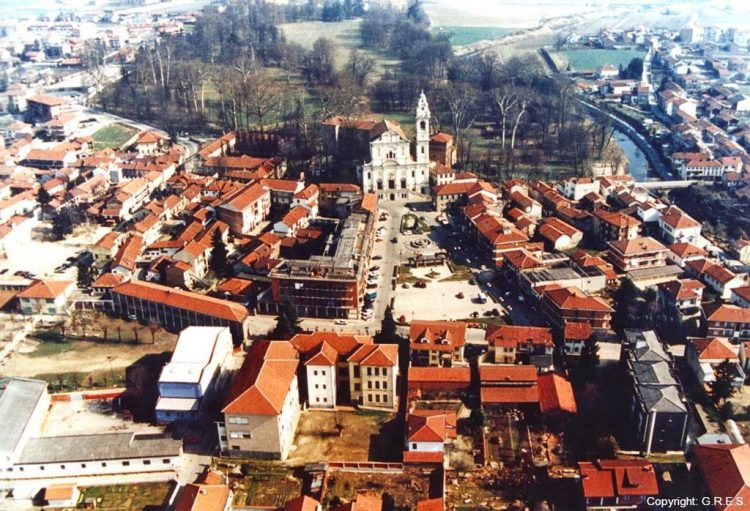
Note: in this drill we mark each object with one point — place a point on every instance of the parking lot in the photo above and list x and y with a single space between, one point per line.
442 298
32 252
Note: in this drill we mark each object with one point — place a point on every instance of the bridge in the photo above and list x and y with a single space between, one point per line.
667 185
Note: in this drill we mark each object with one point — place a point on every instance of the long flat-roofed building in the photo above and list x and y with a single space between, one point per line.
23 405
190 378
176 309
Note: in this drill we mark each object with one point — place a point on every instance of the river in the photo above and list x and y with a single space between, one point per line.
638 165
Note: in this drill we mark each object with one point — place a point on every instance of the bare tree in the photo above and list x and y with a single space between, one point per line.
505 99
262 96
460 101
521 107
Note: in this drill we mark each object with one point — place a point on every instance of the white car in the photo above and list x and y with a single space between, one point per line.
340 322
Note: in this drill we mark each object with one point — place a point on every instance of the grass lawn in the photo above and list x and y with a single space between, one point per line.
346 36
410 222
593 59
460 36
50 346
112 136
131 497
405 276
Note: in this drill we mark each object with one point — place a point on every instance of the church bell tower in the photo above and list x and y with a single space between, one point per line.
423 130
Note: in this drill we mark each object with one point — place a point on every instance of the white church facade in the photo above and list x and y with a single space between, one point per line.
393 172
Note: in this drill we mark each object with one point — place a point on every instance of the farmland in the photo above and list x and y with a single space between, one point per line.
461 35
592 59
344 33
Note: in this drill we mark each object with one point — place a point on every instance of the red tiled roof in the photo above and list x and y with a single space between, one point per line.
520 394
322 355
431 426
678 219
281 185
430 505
184 300
423 457
264 380
682 289
577 331
362 502
302 503
47 100
573 298
726 472
439 375
510 336
203 497
727 313
684 250
45 289
616 478
489 374
637 246
713 349
454 332
375 355
342 343
555 394
108 280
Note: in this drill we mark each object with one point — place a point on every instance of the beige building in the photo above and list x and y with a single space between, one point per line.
262 410
373 369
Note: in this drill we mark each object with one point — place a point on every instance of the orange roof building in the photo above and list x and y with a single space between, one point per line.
262 408
725 472
607 482
437 343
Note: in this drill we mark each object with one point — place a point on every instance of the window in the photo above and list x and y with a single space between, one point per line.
377 398
165 461
369 384
104 464
369 398
147 462
356 371
369 371
324 387
385 398
385 384
125 463
323 372
413 445
239 420
317 400
83 465
385 371
62 467
325 399
317 386
377 385
315 373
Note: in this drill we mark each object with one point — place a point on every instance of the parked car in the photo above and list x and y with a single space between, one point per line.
394 240
340 322
377 258
374 268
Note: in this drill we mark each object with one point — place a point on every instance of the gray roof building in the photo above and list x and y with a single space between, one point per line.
22 403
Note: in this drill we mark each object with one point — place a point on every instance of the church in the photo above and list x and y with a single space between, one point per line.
393 171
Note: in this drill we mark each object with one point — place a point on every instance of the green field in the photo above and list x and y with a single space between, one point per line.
112 136
467 35
344 33
592 59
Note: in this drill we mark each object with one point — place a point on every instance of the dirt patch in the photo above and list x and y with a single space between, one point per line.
364 436
406 488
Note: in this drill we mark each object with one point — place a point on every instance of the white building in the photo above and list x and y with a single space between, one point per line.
197 367
320 370
23 406
46 297
676 226
393 172
426 435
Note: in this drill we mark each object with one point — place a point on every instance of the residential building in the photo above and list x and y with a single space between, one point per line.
520 344
438 382
719 278
741 296
262 409
509 386
46 297
427 431
559 235
437 343
627 255
43 107
615 225
205 496
727 321
618 484
197 368
657 407
564 305
676 226
373 373
575 335
704 356
244 209
175 309
682 296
